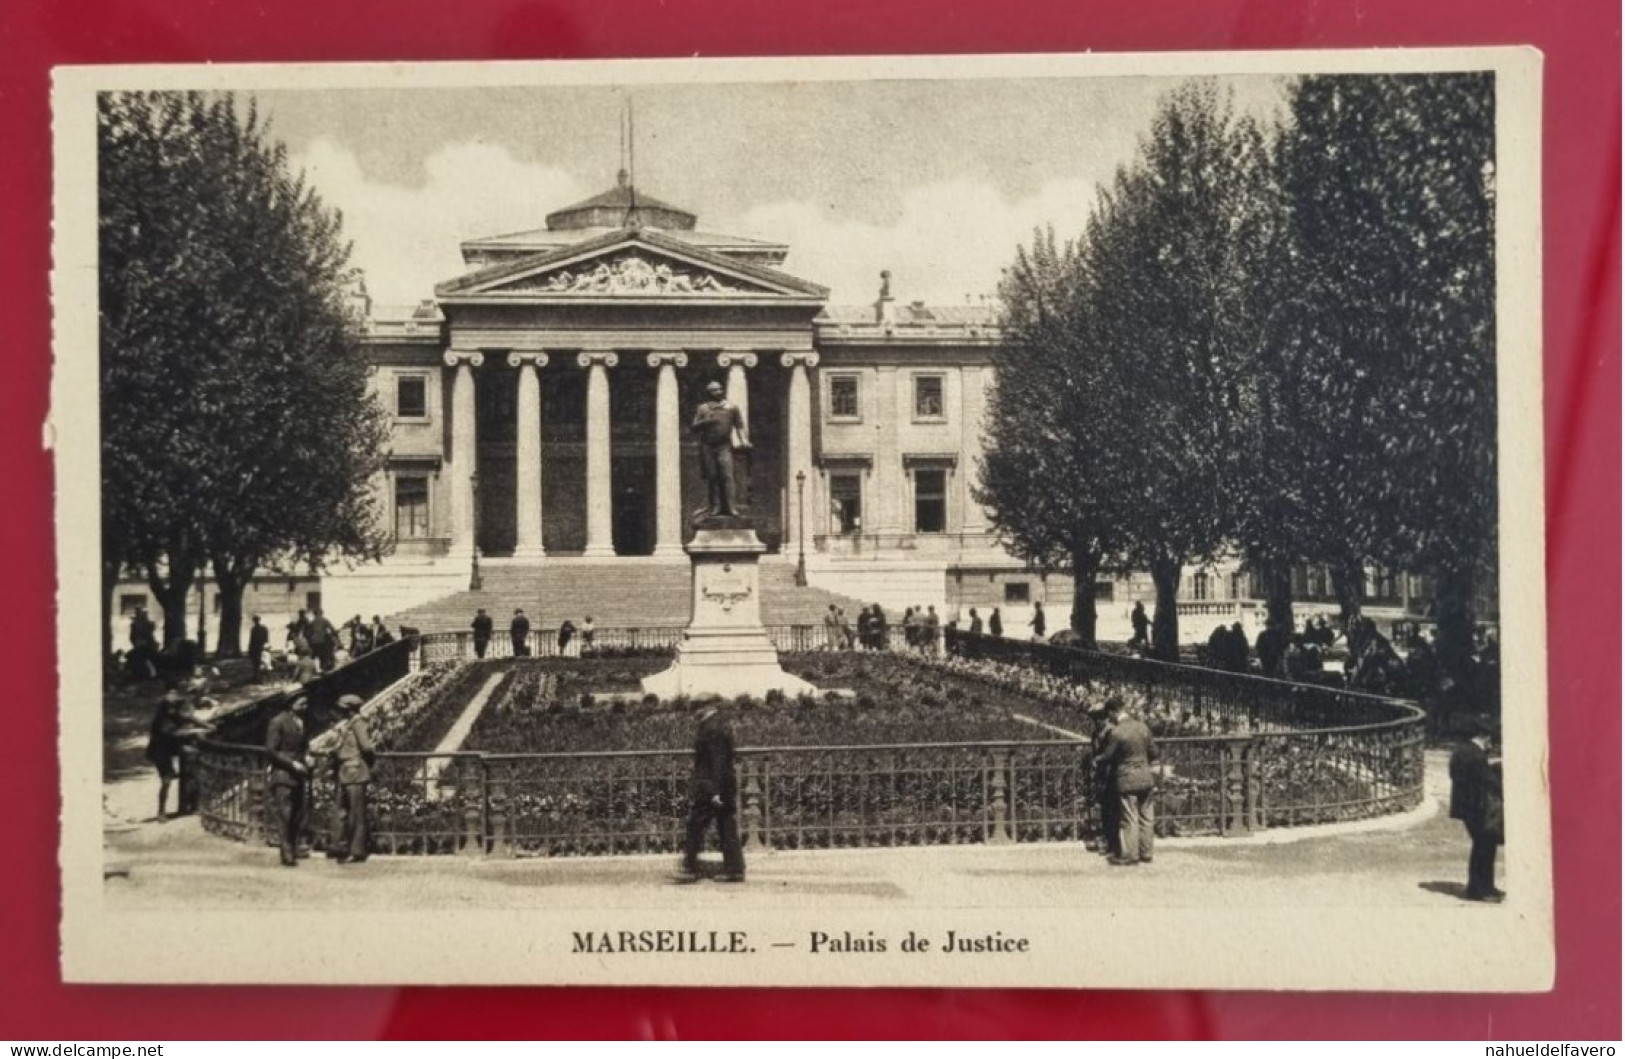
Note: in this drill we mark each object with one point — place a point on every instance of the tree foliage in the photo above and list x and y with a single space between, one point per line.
1391 181
1047 469
1268 342
237 429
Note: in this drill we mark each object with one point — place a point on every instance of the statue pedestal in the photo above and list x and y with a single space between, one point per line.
725 650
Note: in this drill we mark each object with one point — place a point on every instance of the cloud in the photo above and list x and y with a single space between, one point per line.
950 239
406 238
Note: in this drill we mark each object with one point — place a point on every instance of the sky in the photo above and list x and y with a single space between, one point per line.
936 181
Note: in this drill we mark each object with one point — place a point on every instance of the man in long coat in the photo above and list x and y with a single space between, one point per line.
288 746
482 632
519 633
1129 752
354 757
714 796
1476 800
1103 780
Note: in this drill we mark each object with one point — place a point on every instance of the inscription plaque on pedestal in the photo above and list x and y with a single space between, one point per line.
725 650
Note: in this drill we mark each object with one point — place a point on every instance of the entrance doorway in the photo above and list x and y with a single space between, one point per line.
634 513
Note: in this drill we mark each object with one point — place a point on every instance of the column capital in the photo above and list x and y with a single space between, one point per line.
473 357
590 357
728 358
804 358
520 357
675 357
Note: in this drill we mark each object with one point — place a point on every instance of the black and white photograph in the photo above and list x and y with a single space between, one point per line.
1053 520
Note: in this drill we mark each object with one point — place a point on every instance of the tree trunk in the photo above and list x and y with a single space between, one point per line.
1453 611
1348 583
172 595
1165 573
1085 565
230 581
1276 578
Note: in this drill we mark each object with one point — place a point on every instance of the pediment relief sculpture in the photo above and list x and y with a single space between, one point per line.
628 274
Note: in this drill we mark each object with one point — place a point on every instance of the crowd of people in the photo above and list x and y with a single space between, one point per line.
313 645
1371 661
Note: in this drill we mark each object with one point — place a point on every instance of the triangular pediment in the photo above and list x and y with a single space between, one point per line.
629 264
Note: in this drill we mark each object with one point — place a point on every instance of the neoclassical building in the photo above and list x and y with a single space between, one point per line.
540 405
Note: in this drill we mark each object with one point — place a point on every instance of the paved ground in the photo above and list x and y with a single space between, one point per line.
1418 860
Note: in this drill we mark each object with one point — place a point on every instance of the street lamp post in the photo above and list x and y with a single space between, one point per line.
801 532
474 583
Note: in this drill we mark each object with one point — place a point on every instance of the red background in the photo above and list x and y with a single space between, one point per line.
1581 228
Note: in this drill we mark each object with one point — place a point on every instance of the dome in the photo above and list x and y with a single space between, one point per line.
622 206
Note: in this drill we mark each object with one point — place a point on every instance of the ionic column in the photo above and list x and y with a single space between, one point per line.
738 388
464 439
528 462
600 494
668 454
798 442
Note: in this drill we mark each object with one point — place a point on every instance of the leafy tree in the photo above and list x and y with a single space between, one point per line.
237 429
1178 246
1391 184
1047 471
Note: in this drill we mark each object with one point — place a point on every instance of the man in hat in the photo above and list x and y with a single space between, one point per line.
1476 800
519 633
354 758
259 638
287 746
714 795
1129 752
1105 783
719 427
482 632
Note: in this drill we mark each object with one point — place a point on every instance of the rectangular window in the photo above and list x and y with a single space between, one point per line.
846 504
411 397
1105 592
128 602
928 402
930 501
313 601
1017 592
411 508
1200 587
843 397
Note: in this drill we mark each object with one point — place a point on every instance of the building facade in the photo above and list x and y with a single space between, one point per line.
540 404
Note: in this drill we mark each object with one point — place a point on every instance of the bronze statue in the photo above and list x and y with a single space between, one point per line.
719 427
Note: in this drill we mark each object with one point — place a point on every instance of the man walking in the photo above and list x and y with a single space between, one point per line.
482 632
714 795
355 756
1037 623
259 638
1129 753
287 745
1476 800
1142 626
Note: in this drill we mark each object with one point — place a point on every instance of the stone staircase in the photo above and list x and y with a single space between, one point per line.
625 593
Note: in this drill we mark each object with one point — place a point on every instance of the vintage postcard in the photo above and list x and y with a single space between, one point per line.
1065 521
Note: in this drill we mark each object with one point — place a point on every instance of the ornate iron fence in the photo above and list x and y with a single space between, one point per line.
1288 767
